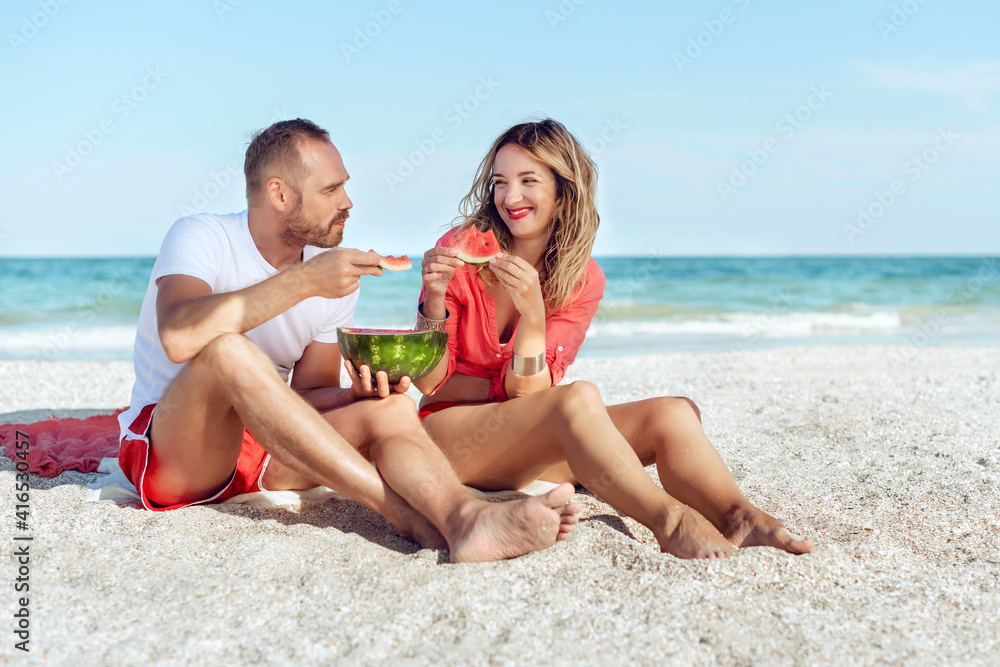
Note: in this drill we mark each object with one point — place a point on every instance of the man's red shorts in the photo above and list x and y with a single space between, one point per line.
136 459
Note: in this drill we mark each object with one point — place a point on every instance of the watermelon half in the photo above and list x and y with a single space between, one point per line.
476 247
398 352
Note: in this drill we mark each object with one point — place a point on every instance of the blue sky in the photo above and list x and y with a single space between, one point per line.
720 128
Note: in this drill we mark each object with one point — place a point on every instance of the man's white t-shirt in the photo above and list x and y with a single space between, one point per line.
219 250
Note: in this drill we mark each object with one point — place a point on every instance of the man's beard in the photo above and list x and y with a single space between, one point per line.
299 232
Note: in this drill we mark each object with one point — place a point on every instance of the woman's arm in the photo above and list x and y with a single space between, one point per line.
562 333
529 344
437 270
426 384
521 282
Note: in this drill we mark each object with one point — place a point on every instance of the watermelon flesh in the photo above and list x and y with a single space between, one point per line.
398 352
359 330
476 247
390 263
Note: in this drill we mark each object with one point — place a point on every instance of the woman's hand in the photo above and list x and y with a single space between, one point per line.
520 280
436 271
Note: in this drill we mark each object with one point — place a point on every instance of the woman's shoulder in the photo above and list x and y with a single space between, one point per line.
593 275
447 239
594 269
590 287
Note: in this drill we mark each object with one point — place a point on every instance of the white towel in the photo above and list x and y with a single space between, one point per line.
115 487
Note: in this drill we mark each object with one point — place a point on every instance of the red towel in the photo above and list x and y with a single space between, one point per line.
64 444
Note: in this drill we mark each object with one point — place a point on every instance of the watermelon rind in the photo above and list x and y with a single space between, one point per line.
398 352
474 260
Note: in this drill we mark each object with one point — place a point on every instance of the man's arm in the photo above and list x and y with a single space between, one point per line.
189 316
316 377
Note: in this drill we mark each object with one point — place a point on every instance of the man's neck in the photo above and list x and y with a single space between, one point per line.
266 232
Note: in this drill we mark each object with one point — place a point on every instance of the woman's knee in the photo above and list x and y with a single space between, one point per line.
674 409
578 397
686 406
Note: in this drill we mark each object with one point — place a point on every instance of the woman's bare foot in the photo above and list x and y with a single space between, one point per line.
749 527
569 516
488 532
687 534
413 524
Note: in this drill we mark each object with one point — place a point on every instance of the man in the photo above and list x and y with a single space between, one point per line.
235 305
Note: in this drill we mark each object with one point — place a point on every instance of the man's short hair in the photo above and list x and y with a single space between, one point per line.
274 152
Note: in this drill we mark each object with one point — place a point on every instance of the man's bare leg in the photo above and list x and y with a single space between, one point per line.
388 432
197 434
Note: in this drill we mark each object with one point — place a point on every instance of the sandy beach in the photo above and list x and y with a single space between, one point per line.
888 458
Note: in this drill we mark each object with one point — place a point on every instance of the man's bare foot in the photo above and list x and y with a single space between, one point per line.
687 534
749 527
488 532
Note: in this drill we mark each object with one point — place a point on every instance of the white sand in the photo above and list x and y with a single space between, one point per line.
890 464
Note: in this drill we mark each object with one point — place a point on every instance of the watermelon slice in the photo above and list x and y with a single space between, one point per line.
398 352
475 247
390 263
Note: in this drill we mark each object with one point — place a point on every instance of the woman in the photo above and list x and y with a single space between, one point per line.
492 403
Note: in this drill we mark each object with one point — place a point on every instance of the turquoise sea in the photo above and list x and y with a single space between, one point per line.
87 308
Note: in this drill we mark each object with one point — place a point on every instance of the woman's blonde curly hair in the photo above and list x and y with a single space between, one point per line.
574 219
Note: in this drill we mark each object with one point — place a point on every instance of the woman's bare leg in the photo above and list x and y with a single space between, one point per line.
510 444
667 431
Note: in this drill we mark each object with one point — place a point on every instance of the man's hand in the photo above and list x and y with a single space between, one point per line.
363 387
336 272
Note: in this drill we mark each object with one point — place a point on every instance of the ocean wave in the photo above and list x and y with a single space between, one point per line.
754 324
67 342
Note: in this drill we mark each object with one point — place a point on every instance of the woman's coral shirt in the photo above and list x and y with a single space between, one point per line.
474 342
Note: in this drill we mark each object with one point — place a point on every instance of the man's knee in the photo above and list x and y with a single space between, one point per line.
393 413
391 418
379 417
231 351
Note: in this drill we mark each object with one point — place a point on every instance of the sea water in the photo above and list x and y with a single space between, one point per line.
87 308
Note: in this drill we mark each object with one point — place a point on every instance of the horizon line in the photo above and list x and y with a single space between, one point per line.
625 256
